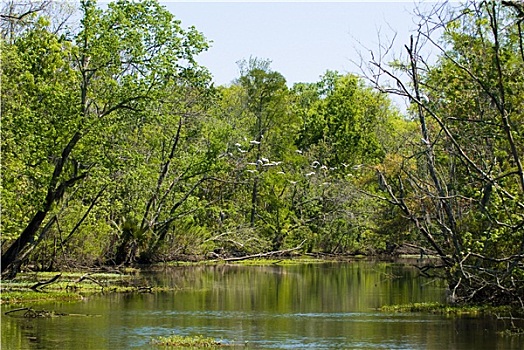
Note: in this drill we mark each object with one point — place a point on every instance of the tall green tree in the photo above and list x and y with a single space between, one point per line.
261 153
38 112
264 103
122 61
344 115
347 130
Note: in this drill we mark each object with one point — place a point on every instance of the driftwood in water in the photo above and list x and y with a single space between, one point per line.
40 284
32 313
16 310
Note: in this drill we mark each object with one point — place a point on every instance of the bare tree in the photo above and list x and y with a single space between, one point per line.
462 184
18 16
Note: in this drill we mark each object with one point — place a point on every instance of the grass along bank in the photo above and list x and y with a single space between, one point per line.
445 309
68 286
514 316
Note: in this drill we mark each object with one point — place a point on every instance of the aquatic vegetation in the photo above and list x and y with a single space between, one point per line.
197 341
445 309
70 286
20 296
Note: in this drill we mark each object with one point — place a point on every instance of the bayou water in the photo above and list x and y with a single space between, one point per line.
314 306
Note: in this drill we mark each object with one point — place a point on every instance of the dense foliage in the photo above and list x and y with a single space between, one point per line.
117 148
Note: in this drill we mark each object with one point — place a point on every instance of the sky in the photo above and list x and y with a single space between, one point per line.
302 39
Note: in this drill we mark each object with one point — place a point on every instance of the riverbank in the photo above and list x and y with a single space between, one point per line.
33 287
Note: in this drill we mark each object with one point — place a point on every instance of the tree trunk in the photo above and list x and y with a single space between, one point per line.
22 241
54 192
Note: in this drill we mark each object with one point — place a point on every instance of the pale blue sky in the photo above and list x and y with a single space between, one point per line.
302 39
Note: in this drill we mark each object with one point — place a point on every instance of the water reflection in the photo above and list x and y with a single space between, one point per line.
318 306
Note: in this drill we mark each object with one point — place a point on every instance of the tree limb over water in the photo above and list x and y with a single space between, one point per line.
264 255
41 284
463 185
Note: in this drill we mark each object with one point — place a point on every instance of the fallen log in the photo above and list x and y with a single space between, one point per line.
264 255
16 310
32 313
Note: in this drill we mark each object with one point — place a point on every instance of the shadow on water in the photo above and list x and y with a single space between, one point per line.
317 306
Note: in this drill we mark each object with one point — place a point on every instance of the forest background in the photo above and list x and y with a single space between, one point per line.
117 148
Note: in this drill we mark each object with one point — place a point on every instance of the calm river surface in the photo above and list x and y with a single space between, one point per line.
315 306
